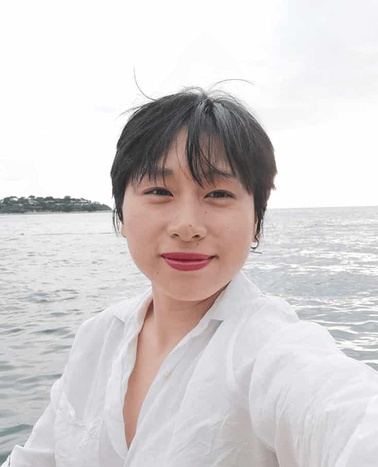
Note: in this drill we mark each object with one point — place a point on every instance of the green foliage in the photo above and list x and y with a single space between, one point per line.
15 205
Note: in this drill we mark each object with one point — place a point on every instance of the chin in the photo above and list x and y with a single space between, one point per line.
187 292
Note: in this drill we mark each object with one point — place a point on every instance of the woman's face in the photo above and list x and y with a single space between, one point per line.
179 216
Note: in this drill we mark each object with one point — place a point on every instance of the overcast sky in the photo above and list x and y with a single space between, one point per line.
67 75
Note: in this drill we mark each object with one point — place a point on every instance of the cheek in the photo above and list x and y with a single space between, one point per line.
139 248
135 231
243 226
133 221
238 236
141 233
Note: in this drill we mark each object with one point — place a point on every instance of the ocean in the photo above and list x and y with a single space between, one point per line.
57 270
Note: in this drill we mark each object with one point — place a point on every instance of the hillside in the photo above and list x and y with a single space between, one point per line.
35 204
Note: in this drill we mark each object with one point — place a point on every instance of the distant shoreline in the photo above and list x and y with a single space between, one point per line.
32 213
49 205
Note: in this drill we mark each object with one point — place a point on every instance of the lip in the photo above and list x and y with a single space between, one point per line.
187 261
185 256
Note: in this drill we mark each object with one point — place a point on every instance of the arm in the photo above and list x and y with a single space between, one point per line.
311 404
70 393
39 448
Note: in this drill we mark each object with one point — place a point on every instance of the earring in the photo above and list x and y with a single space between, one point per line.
254 246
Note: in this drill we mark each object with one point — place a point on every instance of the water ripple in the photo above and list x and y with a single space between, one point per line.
68 267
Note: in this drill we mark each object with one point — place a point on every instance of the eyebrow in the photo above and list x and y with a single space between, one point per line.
162 172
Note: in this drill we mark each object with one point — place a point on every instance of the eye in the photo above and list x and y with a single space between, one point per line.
220 194
158 192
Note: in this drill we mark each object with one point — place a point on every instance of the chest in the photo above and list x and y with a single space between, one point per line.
196 415
192 411
145 370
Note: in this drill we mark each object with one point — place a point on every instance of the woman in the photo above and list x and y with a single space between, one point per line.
202 369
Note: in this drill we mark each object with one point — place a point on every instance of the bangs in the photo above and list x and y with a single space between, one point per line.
205 157
217 144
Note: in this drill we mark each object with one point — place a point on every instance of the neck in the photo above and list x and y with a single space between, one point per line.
169 320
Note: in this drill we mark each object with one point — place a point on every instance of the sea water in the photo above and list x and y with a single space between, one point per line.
57 270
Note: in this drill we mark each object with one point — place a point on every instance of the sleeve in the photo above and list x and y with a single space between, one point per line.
311 404
39 448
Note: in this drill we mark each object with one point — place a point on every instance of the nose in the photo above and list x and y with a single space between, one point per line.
188 222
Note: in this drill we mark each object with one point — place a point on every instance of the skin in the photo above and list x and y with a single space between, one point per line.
183 217
179 216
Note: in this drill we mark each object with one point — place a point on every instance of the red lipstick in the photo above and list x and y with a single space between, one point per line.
187 261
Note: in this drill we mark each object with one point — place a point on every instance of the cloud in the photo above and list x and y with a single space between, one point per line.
325 56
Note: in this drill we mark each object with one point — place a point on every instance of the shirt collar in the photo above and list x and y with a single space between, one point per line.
235 298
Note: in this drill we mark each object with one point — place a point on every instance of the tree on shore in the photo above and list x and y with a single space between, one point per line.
15 205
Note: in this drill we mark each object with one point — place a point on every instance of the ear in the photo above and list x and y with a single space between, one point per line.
123 230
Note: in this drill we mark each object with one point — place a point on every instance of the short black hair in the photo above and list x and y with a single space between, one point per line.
153 127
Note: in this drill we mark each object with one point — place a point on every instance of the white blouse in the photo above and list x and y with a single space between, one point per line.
250 385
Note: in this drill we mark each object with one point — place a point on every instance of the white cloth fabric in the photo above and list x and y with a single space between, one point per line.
250 385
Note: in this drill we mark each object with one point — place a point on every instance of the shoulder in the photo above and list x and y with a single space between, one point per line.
108 325
252 320
243 302
263 315
302 385
273 329
270 329
261 319
95 347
